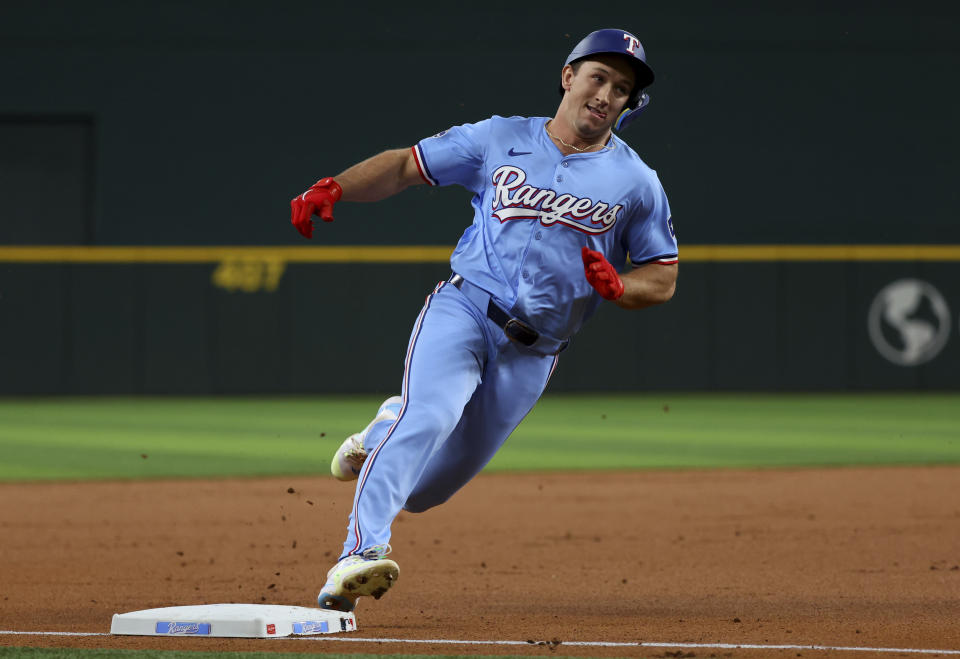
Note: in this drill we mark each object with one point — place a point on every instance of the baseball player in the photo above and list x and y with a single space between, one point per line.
557 202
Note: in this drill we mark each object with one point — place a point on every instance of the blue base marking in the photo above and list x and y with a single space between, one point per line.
311 627
184 628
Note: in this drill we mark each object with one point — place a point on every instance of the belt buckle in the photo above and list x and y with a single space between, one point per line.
519 331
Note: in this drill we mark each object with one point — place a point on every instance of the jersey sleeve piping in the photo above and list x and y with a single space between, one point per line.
668 259
422 165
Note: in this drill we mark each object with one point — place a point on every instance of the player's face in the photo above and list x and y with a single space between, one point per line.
596 93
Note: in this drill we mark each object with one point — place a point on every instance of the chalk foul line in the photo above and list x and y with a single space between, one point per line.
590 644
636 644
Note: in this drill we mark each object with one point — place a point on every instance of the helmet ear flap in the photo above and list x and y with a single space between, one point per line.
629 114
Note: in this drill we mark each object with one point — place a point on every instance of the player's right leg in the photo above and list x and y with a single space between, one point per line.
512 383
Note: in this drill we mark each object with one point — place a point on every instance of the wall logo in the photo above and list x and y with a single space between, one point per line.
909 322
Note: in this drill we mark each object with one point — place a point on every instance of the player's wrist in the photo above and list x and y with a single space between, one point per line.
617 288
330 185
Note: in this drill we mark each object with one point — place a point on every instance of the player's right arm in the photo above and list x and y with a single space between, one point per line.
381 176
376 178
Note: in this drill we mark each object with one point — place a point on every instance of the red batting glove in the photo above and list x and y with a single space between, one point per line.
601 274
318 200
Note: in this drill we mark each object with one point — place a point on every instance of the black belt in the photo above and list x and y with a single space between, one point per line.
514 328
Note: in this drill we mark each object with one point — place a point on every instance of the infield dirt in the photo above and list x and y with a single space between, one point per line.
838 557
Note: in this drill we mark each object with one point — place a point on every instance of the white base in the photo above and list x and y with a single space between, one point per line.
232 621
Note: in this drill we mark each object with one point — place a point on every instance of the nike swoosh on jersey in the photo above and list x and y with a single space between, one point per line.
511 152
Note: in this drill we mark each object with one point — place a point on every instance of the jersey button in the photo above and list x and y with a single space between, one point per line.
539 235
559 178
565 164
525 274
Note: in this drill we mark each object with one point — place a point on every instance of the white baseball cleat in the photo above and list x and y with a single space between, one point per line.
355 576
348 460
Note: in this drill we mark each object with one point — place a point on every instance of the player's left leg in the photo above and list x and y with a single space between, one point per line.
512 383
349 458
444 365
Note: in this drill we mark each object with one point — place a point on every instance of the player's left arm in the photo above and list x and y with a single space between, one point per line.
652 244
644 286
647 285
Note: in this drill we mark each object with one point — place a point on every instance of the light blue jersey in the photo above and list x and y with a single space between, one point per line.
467 381
535 208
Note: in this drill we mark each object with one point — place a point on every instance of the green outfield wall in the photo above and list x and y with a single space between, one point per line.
255 323
809 155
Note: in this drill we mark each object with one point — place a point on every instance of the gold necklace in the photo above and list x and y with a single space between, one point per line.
576 148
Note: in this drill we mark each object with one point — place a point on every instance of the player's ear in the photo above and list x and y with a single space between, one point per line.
566 77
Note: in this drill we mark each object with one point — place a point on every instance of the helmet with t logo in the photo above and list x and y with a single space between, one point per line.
618 42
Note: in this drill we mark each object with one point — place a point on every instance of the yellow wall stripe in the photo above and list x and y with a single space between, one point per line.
216 254
820 253
441 254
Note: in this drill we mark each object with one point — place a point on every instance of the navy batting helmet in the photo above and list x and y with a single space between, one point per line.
618 42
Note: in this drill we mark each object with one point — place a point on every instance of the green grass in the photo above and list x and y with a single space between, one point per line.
135 438
737 430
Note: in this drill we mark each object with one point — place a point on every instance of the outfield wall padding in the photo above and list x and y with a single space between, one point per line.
325 328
